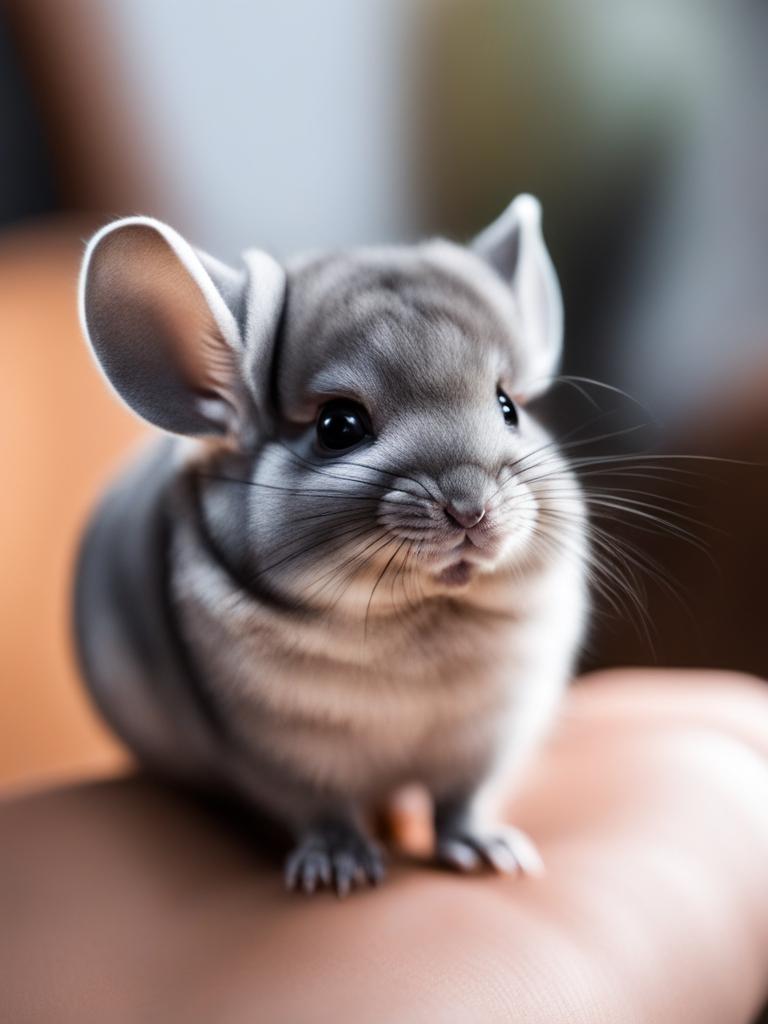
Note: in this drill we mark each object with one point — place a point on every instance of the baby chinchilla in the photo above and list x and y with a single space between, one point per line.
363 562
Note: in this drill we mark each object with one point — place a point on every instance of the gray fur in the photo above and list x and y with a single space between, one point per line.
328 642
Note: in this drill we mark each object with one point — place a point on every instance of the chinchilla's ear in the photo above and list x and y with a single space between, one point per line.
184 340
514 246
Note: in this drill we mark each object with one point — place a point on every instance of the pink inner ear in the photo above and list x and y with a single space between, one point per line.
153 329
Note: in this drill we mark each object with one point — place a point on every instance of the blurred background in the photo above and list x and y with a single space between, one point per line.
290 124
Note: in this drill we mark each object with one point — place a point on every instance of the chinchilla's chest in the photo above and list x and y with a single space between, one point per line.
421 698
334 672
312 691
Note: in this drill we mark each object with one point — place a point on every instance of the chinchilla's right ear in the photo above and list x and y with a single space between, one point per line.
184 340
514 246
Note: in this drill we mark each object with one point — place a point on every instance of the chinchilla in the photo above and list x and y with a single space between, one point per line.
361 563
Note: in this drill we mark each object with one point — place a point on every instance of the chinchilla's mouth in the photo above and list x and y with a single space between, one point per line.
459 564
462 564
458 574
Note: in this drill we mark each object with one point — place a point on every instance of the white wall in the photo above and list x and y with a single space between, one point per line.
276 122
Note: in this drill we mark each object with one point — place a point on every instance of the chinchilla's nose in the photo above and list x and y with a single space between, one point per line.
465 491
465 513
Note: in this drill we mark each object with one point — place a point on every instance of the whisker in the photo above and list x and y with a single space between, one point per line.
379 578
302 491
343 477
343 537
364 555
610 584
575 380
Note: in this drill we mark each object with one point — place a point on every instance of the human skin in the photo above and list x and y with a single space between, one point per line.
126 901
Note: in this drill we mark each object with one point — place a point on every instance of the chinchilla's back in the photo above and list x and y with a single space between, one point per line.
136 670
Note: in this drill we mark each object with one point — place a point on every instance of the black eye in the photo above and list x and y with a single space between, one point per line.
508 408
341 425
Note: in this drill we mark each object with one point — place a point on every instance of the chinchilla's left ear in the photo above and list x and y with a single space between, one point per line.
514 246
184 340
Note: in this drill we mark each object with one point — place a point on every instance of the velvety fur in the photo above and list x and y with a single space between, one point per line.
311 629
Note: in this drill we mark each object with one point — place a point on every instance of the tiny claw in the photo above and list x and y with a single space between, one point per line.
458 854
498 856
507 850
343 886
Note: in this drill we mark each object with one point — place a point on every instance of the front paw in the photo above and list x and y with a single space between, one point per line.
333 856
502 848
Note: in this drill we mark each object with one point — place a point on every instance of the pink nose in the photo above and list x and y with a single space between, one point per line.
464 515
